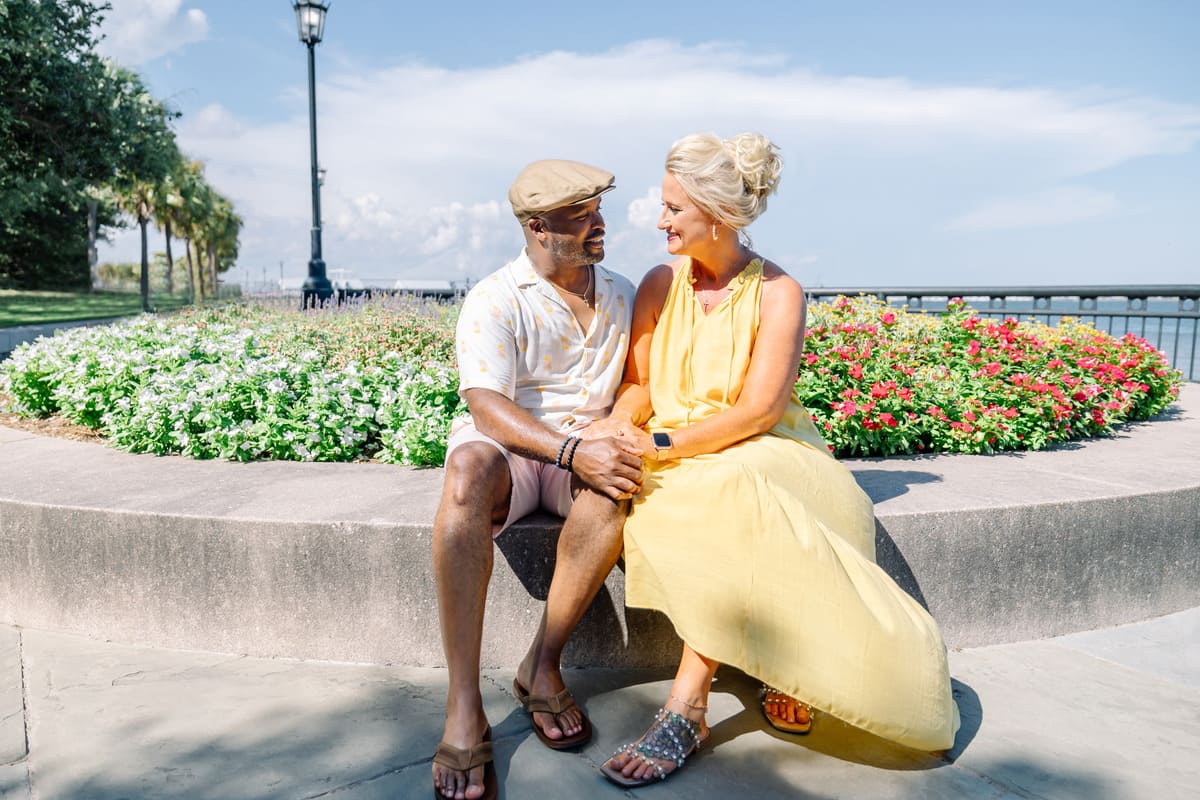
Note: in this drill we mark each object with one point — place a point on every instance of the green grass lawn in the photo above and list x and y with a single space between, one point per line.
35 308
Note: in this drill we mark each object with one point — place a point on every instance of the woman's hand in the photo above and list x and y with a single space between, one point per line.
615 425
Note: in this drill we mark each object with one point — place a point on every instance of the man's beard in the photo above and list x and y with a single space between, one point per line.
565 250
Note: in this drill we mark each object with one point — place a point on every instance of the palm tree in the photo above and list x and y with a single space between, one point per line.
166 217
220 238
138 198
196 205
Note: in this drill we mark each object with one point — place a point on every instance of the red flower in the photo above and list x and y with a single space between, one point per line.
888 419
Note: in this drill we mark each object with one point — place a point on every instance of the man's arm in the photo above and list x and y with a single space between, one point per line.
609 465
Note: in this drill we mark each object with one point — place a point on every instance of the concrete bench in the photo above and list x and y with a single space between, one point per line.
332 561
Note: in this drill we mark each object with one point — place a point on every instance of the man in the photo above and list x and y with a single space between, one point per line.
541 352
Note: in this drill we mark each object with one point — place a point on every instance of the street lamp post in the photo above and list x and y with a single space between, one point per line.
310 20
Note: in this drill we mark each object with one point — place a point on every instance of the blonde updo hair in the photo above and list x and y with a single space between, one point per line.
729 179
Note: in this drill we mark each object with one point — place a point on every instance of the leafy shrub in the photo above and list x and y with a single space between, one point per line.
246 382
881 382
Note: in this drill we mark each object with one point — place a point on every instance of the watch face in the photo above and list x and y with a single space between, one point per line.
662 440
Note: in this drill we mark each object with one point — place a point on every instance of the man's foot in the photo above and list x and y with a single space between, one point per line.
661 750
462 767
786 713
557 720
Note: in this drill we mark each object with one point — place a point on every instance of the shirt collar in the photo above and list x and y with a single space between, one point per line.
525 275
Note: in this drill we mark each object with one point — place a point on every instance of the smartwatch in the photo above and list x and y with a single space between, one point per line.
662 441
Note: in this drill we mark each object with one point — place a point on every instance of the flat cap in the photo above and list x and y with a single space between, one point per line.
546 185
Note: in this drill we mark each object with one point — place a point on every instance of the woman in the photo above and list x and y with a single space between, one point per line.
748 534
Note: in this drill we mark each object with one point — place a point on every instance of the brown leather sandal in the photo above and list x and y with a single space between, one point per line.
463 761
552 705
804 712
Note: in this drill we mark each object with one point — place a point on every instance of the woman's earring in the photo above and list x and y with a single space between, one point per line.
714 231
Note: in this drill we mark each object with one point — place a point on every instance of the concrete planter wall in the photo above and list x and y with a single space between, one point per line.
331 561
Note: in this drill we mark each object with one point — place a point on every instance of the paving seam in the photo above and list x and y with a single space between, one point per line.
28 757
1143 676
1003 789
363 781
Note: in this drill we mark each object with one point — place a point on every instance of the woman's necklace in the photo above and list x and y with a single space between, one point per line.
711 298
586 290
708 298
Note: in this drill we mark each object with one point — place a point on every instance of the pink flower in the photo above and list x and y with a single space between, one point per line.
888 318
856 371
888 419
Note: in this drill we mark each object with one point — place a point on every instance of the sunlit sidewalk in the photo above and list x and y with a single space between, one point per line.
1112 714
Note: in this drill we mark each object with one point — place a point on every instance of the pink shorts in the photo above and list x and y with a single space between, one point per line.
534 484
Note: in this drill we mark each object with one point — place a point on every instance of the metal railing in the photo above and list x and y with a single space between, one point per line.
1168 316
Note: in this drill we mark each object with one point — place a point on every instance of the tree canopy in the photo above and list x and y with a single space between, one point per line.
73 128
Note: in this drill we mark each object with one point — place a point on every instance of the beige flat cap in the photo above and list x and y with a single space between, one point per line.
546 185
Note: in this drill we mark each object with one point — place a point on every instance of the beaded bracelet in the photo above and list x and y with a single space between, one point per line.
571 455
562 448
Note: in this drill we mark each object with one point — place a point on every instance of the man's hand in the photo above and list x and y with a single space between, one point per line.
610 466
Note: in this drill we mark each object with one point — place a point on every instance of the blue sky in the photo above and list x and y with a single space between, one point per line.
925 143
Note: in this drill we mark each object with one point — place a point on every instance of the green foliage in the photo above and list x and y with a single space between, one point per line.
245 382
69 121
883 382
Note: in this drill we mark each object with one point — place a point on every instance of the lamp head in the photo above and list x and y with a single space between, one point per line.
310 19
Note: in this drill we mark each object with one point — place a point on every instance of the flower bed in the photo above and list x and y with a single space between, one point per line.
378 382
245 383
883 382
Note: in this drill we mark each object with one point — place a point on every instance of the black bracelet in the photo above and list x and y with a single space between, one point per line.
571 456
558 462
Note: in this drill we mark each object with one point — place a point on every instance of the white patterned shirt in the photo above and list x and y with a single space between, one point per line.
516 336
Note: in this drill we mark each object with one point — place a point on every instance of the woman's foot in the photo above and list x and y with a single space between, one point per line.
786 713
662 749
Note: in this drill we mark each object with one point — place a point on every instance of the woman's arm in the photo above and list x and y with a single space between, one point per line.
632 407
771 377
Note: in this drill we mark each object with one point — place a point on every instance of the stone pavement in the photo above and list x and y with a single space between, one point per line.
1111 715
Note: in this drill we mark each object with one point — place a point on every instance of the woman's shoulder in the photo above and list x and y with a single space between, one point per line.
660 277
776 278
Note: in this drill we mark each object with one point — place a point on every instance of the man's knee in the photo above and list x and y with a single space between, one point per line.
600 506
476 472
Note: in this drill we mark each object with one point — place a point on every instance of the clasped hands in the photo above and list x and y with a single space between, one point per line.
610 456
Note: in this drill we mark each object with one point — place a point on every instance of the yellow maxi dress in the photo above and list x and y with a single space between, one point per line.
763 554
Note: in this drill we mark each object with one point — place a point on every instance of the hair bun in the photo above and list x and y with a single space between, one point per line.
758 161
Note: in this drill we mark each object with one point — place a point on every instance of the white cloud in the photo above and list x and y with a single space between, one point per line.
136 31
420 157
645 211
1057 206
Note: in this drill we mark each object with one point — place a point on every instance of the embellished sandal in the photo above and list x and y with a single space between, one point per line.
460 760
552 705
671 737
804 712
